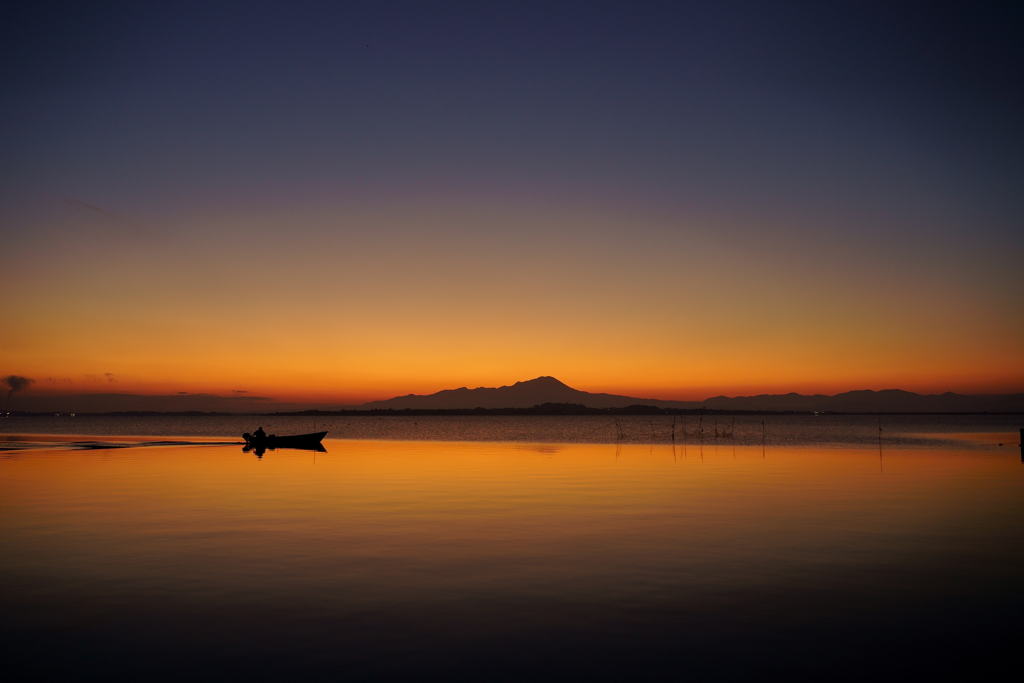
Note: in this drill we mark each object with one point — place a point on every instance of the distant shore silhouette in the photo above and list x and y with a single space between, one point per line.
538 396
545 409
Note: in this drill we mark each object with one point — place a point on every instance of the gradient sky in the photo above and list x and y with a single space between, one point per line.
674 201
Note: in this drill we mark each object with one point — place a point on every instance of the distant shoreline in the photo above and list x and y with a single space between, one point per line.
546 409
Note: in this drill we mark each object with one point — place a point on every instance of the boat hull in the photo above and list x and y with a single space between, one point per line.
292 441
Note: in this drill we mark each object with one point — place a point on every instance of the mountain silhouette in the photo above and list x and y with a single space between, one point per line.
520 395
549 390
528 394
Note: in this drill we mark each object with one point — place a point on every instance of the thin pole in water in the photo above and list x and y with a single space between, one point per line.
880 469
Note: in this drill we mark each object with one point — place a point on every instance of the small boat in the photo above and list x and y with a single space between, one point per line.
272 441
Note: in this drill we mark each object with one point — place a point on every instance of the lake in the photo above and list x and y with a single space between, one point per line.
794 548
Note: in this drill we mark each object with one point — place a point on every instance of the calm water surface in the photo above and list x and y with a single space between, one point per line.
390 559
825 431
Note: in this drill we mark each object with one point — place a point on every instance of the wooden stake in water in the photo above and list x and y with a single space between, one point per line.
880 469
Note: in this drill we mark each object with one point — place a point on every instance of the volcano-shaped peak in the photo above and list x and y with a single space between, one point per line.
543 381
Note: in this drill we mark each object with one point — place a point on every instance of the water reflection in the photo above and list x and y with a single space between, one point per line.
260 449
398 559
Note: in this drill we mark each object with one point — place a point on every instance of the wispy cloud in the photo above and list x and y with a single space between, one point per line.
114 217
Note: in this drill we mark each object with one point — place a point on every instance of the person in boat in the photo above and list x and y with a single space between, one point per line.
259 434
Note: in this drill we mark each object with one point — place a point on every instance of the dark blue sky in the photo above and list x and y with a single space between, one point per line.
586 97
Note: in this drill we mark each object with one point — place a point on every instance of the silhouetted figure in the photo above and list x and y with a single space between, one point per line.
259 433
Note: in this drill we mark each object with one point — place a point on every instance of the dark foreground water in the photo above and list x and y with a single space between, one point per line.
410 560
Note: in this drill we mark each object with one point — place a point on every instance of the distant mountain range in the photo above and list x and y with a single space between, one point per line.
526 395
550 390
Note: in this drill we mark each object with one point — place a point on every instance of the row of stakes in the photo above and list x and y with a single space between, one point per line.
725 433
729 433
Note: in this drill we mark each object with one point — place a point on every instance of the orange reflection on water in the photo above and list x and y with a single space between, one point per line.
376 520
601 561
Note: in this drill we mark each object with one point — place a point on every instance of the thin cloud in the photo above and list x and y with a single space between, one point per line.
77 203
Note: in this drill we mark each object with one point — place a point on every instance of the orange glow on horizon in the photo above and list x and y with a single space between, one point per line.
341 395
421 300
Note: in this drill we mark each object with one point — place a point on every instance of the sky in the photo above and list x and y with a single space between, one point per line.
331 205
